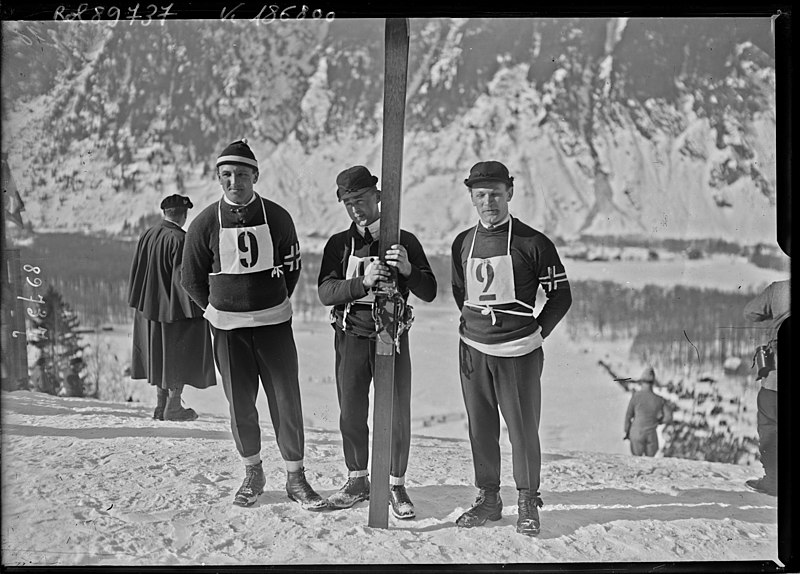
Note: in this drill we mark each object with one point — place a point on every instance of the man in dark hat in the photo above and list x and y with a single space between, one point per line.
171 340
769 309
351 267
498 265
241 264
646 410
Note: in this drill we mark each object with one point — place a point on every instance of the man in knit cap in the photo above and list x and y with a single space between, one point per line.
769 310
646 410
497 267
171 340
351 268
241 264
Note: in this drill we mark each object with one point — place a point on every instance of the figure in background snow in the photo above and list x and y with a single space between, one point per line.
769 309
73 383
646 410
171 339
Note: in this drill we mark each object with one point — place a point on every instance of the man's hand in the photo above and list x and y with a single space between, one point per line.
397 256
375 272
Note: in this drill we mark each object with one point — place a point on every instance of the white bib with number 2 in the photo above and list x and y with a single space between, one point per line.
490 281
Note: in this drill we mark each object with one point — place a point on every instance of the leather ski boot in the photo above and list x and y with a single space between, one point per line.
488 506
252 486
298 490
528 519
402 507
354 490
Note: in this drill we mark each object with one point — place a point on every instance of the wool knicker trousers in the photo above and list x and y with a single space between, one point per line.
355 367
269 352
514 385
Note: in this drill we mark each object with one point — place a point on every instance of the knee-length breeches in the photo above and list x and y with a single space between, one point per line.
355 367
514 385
269 352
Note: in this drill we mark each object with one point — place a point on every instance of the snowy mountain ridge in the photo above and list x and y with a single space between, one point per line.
635 128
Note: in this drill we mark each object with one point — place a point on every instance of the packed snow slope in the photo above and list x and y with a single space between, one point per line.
95 483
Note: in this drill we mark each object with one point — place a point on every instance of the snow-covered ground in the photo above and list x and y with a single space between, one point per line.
93 483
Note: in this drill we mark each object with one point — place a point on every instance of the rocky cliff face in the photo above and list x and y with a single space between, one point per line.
644 128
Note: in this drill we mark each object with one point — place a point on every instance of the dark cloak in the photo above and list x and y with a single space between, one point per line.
171 339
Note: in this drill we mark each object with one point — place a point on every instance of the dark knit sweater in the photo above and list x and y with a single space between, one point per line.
533 256
335 289
247 292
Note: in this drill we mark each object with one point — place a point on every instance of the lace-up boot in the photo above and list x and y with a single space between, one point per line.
402 507
300 491
488 506
253 485
528 519
354 490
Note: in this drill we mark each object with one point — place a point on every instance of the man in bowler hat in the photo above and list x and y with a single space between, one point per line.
351 268
497 268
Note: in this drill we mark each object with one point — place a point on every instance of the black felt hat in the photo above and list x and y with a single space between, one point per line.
488 171
176 200
355 181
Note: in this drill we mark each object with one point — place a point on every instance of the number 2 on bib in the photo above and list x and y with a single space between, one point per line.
485 281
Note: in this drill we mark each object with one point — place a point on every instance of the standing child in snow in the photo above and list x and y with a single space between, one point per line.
350 269
498 266
646 410
73 384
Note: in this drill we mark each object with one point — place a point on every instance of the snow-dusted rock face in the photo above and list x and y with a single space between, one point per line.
645 128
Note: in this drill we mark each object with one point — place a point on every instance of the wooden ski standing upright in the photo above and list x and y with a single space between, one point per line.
388 306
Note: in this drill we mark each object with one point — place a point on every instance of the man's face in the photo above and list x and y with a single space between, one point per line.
237 182
363 209
491 201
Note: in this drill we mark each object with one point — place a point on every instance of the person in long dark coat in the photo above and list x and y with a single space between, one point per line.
171 339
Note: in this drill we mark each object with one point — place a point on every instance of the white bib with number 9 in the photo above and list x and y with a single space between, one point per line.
245 249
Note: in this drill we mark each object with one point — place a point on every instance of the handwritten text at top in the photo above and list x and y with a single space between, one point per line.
273 12
85 13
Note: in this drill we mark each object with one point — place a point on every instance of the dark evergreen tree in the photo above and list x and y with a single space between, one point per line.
58 341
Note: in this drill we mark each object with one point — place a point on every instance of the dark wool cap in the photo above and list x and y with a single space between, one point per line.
238 153
355 181
176 200
488 171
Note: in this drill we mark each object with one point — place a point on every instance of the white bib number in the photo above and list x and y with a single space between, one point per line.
245 249
490 281
357 267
